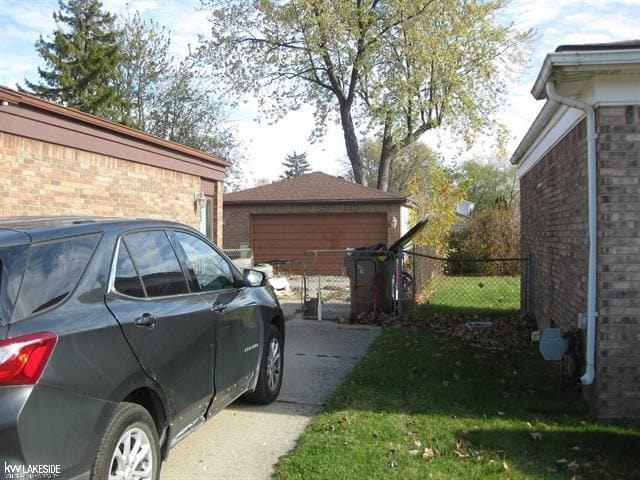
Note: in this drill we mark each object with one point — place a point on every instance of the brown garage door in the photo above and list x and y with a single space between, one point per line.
290 236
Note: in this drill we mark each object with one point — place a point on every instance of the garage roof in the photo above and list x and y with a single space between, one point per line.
315 187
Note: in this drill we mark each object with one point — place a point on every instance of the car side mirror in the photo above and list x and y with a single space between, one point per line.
254 278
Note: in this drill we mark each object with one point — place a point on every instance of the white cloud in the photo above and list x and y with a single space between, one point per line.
32 16
266 145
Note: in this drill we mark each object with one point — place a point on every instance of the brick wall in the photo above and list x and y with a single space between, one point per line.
618 360
553 199
237 219
38 178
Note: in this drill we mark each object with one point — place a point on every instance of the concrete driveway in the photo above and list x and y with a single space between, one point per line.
245 441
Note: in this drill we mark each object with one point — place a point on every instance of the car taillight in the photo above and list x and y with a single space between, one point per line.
22 359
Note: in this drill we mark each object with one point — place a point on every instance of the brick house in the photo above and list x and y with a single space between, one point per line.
579 169
315 211
59 161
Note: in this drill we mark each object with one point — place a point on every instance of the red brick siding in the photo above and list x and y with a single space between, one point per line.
39 178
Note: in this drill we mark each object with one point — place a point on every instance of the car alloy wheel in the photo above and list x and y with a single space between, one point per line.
133 457
274 364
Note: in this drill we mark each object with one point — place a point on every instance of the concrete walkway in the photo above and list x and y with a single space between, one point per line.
245 441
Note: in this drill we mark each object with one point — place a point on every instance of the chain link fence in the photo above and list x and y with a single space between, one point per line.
469 287
366 286
349 285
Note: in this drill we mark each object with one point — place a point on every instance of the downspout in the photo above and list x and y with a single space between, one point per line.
592 269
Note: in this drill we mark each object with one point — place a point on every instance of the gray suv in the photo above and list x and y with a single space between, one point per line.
118 338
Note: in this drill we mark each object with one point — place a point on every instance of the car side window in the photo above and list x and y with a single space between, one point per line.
127 280
210 269
157 264
12 265
53 270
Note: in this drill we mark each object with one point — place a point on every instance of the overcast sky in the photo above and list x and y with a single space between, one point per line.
557 22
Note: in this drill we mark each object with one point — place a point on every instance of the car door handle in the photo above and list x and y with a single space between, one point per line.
219 307
146 320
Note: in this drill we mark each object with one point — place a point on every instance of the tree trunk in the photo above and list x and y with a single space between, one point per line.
351 142
387 154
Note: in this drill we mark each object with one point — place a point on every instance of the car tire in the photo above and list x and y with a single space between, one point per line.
271 369
130 425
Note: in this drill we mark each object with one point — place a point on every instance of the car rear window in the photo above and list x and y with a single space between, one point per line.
53 270
157 264
12 263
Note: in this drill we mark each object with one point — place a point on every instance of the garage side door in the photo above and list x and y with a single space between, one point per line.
289 236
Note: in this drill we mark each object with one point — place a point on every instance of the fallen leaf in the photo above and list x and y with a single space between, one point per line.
417 444
459 444
344 421
429 453
413 453
506 467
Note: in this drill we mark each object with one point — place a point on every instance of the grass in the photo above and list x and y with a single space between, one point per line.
481 414
460 295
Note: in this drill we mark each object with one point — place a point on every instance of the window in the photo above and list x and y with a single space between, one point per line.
206 218
156 263
12 265
53 270
210 269
127 281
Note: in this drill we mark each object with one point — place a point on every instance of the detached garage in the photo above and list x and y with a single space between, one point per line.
316 211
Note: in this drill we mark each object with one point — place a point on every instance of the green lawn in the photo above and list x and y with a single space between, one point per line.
460 295
422 406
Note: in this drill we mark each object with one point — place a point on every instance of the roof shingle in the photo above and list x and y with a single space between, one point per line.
315 187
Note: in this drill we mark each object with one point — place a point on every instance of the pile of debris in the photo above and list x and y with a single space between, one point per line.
495 333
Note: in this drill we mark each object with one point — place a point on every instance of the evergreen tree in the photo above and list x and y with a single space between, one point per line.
81 59
295 165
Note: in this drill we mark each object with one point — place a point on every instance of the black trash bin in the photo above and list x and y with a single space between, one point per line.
371 271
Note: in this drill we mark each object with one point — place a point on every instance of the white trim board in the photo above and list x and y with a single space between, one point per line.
558 126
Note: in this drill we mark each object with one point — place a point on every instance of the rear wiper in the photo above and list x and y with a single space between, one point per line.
51 302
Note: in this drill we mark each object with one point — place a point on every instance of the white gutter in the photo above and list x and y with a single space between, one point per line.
590 372
588 62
